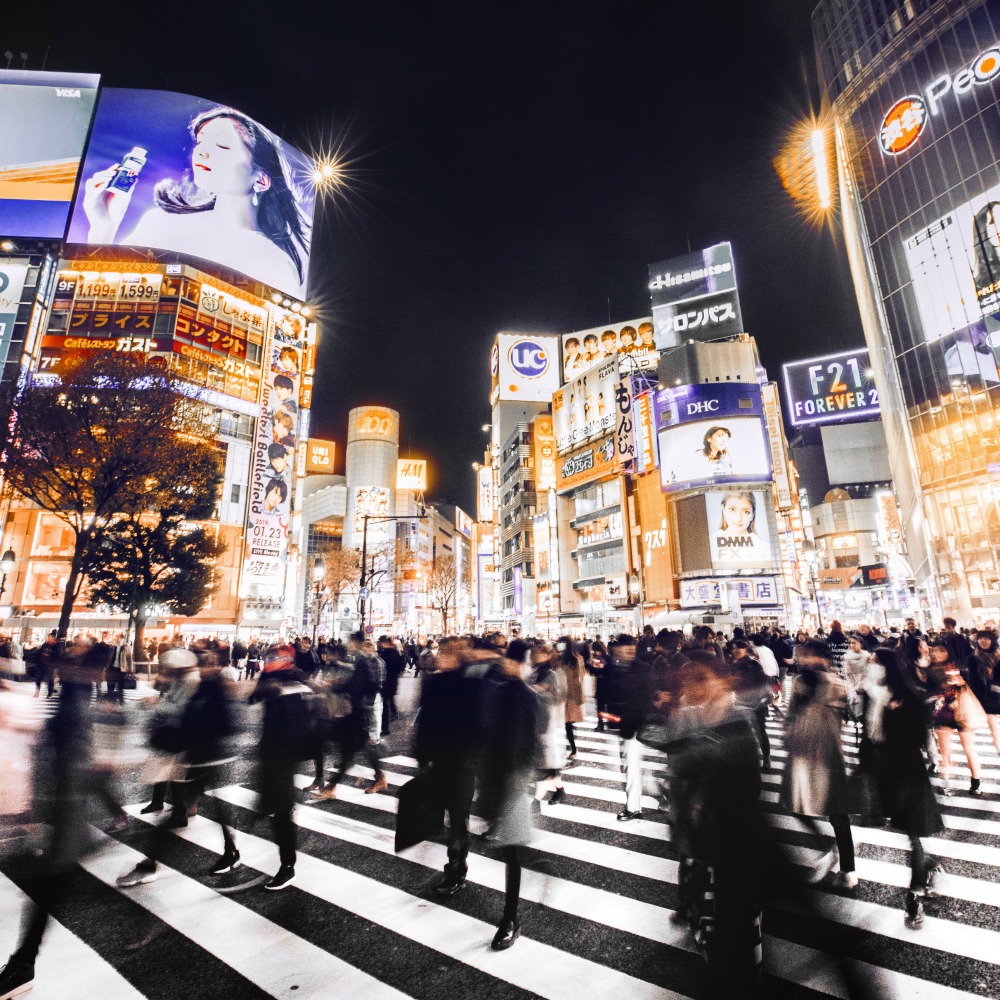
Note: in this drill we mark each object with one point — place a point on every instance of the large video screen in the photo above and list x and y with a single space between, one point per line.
45 118
173 172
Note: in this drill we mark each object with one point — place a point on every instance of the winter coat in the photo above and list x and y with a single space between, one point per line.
575 698
814 782
904 786
550 685
839 647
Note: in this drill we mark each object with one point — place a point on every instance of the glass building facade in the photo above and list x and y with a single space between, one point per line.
914 87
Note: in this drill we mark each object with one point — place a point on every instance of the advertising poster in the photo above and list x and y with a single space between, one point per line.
274 452
544 441
954 266
484 494
174 172
585 408
587 465
525 366
694 297
632 343
832 388
46 117
738 533
320 456
645 433
13 274
711 434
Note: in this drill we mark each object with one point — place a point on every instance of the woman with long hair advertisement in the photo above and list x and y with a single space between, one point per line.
736 539
715 451
986 247
234 203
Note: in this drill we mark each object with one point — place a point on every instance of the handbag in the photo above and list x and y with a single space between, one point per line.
420 812
654 732
128 682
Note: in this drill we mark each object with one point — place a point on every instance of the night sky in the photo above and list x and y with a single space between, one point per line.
512 167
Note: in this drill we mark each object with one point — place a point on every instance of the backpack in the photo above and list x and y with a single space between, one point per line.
371 675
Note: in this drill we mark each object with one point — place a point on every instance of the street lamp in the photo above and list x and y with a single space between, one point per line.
7 562
635 594
318 575
812 555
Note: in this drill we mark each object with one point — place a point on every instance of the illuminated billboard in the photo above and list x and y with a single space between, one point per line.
632 343
375 423
320 456
13 274
525 366
694 297
173 172
711 434
484 493
411 474
45 118
835 387
738 533
585 408
274 453
544 447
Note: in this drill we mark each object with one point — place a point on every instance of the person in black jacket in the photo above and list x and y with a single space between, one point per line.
447 742
753 690
394 667
206 725
630 700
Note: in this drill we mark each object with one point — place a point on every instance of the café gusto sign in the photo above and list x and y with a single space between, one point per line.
906 120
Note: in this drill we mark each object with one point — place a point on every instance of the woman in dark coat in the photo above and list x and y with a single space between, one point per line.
984 679
905 787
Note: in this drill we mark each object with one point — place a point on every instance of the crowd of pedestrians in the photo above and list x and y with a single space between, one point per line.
495 731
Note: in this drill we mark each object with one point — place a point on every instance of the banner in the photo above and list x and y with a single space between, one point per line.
585 408
749 590
13 274
631 343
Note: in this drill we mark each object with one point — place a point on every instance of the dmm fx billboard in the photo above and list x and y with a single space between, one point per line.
694 297
711 434
525 366
411 474
830 389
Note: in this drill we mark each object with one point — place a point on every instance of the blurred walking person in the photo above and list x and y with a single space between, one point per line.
548 681
984 679
571 664
814 783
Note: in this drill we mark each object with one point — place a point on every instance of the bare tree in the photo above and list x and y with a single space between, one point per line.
94 444
343 571
442 588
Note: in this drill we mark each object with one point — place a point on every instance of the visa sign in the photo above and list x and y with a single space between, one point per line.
527 367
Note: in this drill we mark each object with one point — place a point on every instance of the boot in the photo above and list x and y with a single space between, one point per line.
974 788
914 910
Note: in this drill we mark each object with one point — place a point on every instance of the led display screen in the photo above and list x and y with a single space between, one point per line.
182 174
45 121
738 533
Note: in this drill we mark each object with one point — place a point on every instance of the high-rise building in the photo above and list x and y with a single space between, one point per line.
914 88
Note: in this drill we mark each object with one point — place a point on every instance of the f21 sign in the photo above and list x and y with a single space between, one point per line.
835 388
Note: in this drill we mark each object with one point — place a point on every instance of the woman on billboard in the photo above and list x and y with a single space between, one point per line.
234 205
986 243
715 451
736 539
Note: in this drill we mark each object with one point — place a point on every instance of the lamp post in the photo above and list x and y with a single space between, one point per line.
635 595
7 563
318 575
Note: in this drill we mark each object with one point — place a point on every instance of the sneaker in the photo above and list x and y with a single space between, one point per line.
974 788
16 977
316 786
140 875
153 807
283 878
379 785
227 863
559 795
914 910
821 869
848 880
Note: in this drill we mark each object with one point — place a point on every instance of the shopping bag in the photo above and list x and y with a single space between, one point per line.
420 813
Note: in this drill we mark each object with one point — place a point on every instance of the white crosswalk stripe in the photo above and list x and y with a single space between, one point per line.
586 854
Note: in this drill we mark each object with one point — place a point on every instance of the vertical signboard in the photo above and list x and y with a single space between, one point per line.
776 439
484 493
544 442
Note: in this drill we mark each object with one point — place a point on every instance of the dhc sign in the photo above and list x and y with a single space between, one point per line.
528 358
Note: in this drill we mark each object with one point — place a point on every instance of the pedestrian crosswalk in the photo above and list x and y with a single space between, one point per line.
598 903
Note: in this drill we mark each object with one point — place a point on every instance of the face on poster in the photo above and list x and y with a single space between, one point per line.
45 118
180 173
634 341
738 533
727 450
